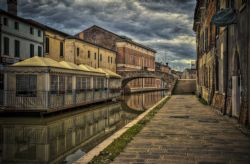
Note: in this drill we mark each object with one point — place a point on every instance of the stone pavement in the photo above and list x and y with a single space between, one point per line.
185 131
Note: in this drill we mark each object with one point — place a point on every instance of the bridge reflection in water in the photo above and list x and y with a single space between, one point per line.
66 137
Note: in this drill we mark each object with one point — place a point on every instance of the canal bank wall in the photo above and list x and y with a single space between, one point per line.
146 90
99 148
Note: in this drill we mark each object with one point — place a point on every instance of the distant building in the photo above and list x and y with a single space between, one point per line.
176 74
162 68
193 64
189 74
131 56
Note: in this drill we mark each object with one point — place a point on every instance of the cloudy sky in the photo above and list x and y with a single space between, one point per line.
165 25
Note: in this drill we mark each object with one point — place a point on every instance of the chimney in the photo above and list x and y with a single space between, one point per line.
12 6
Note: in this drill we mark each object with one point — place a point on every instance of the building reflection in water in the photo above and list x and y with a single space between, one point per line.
143 101
66 137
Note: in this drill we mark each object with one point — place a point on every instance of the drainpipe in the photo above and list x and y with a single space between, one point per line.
98 55
0 38
248 59
226 72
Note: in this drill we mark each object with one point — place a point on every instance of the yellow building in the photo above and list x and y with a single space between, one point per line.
54 44
81 52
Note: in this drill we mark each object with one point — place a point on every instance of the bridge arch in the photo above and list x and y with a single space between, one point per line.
128 76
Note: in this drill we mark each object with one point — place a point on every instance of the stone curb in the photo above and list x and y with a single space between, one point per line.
96 151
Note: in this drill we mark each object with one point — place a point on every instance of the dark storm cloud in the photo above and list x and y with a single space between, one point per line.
165 25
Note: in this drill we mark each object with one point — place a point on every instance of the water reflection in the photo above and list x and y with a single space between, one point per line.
142 101
66 137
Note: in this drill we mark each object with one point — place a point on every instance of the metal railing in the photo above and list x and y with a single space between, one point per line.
45 100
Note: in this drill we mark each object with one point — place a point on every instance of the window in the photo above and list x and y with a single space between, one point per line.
111 59
31 50
69 84
26 85
82 84
6 45
47 45
89 54
99 83
57 84
108 59
1 81
78 51
39 33
17 48
61 84
78 84
54 84
61 49
95 56
5 21
100 57
31 30
39 51
16 25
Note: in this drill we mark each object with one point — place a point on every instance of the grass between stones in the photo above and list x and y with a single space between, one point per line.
117 146
202 100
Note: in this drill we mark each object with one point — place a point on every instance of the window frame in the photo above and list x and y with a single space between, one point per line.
5 21
39 51
32 50
61 49
31 30
39 33
29 85
78 51
6 46
16 25
89 54
17 48
47 48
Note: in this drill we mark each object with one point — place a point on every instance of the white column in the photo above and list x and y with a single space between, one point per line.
74 89
5 82
47 89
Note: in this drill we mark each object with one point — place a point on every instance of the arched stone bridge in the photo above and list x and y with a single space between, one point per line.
127 76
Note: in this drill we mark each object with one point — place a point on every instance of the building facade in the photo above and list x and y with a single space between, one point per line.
79 51
189 74
223 56
131 56
54 44
20 38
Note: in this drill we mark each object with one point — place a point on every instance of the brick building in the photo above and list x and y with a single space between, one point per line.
223 56
131 56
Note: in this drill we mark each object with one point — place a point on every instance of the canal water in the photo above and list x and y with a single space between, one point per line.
65 137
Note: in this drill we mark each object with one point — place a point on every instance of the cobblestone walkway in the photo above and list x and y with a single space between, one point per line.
185 131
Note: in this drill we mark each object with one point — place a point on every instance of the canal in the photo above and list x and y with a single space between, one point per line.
65 137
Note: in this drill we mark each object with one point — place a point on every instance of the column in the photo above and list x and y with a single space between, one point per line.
5 83
74 89
47 90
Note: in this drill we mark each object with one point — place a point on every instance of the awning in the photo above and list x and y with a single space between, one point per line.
109 73
224 17
38 62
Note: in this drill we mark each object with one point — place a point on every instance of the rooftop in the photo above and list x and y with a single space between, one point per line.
123 38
